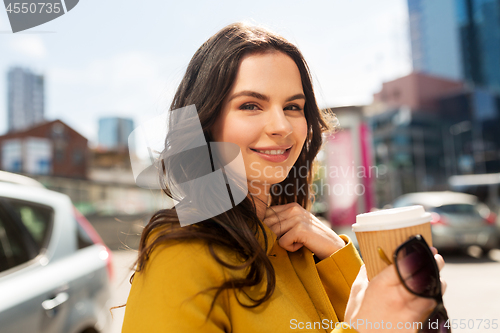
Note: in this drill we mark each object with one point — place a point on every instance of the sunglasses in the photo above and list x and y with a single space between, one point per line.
419 273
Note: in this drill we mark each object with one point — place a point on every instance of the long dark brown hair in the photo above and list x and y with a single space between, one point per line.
206 83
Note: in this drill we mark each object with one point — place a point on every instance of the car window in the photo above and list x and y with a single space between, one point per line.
402 203
84 239
13 251
463 209
36 218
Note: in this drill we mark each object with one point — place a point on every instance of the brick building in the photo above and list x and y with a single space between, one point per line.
52 148
418 91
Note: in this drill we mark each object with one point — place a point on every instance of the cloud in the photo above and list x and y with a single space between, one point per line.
29 45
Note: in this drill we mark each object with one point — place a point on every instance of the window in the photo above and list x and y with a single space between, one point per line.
77 157
14 248
58 131
59 154
461 209
37 219
84 239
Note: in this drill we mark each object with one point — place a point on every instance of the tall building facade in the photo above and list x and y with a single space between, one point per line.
457 39
25 99
479 27
114 132
434 37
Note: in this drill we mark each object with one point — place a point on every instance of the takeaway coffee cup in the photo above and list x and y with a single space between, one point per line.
387 229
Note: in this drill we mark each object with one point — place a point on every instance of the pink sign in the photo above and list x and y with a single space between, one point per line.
343 184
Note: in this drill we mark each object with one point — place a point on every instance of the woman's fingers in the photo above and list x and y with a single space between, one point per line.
281 227
273 210
275 215
444 285
439 260
281 219
282 223
289 242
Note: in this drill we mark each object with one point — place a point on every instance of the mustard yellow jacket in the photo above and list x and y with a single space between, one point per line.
309 296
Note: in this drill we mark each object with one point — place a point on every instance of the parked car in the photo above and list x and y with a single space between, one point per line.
459 220
55 270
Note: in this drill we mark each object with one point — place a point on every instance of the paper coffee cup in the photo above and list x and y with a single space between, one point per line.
387 229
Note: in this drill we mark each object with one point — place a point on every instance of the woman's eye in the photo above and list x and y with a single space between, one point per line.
293 108
250 107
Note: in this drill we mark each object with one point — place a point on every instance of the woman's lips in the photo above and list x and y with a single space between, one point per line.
274 158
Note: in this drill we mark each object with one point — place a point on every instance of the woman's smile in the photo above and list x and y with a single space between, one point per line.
273 155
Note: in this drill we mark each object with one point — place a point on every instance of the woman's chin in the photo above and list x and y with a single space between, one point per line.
266 182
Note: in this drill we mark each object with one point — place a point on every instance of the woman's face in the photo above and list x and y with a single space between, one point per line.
264 115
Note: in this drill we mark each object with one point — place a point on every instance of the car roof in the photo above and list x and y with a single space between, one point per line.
437 199
34 194
9 177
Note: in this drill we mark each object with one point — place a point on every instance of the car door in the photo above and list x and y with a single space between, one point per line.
32 297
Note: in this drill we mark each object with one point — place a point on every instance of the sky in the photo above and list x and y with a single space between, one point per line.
126 58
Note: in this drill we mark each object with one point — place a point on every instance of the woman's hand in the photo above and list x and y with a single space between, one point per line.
296 227
385 299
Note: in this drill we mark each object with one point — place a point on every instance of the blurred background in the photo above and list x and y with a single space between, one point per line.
415 85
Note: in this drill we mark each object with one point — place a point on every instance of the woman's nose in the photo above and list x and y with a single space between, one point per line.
278 123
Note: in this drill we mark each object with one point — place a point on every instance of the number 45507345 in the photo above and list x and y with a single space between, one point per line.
32 7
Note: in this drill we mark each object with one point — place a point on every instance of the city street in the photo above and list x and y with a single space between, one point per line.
473 289
122 261
380 118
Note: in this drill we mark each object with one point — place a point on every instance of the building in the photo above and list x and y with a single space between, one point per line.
457 39
25 99
434 38
409 153
50 148
418 91
479 29
427 129
409 141
471 118
114 132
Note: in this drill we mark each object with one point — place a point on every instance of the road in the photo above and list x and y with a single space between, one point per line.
122 262
473 289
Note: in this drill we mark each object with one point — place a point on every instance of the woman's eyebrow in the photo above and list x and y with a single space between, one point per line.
263 97
250 94
294 97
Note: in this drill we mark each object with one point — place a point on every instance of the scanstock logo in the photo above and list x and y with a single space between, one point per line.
206 179
28 14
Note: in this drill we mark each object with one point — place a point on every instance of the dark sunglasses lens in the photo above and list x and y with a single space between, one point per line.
418 269
437 322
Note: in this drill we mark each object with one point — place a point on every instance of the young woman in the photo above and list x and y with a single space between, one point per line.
267 264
